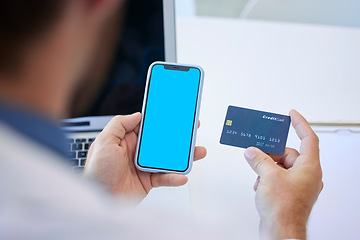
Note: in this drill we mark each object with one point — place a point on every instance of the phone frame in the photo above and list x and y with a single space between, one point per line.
195 125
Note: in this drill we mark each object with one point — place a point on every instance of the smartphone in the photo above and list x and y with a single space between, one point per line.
170 115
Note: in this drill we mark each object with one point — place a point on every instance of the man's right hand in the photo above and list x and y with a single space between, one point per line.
288 185
111 161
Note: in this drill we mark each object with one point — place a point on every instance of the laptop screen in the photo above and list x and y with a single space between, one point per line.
115 80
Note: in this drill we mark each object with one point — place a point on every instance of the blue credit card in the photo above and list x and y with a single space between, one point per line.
251 128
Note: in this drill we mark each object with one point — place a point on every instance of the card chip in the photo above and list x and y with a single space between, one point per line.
228 122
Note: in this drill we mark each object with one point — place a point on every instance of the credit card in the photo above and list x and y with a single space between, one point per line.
251 128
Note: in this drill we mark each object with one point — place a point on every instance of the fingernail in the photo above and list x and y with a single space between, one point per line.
250 153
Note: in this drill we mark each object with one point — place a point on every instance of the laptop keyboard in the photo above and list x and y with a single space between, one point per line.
78 149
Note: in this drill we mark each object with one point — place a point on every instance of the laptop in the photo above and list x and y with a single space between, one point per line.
143 32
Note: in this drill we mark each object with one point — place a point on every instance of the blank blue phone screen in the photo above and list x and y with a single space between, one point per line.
169 119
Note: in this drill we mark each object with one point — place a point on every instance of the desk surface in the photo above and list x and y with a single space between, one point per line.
240 70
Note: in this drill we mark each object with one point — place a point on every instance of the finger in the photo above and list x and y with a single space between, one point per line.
136 130
199 153
130 144
288 159
260 162
257 181
280 165
309 140
167 180
120 125
322 186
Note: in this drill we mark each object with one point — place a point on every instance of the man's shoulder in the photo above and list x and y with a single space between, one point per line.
25 162
37 186
23 150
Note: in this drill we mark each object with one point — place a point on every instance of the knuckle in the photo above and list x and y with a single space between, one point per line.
118 118
261 161
293 150
258 164
319 176
265 158
315 138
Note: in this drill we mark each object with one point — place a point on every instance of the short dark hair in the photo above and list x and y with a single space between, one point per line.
21 21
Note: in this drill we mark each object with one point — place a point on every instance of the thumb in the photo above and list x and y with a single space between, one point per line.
260 162
120 125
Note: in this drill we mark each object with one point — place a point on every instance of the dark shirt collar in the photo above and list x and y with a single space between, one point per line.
35 127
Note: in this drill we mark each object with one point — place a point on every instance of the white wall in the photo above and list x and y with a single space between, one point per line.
326 12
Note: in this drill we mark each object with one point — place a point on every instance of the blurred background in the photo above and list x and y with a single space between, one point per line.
273 55
326 12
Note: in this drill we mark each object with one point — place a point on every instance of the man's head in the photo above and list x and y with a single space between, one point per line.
45 46
21 22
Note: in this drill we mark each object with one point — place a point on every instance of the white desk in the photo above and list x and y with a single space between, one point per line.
272 67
